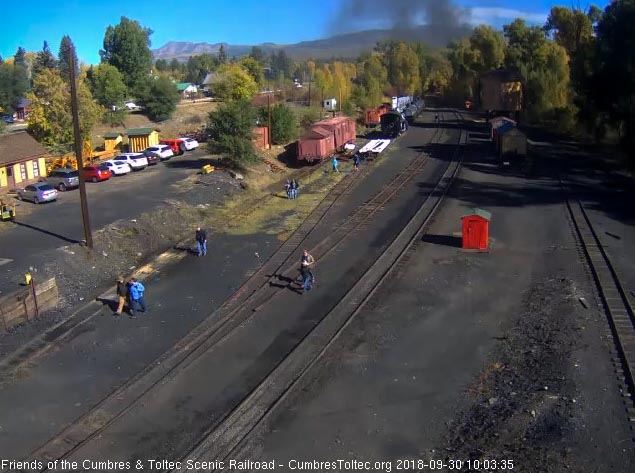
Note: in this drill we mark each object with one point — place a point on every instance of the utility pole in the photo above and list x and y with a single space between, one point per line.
269 124
78 150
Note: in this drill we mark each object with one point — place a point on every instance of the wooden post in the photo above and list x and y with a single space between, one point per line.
37 312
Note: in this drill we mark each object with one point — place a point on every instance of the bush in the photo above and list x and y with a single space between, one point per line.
308 116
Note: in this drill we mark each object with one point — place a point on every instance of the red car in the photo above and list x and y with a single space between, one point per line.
96 173
177 145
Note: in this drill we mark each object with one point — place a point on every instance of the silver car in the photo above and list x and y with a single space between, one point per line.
63 178
38 193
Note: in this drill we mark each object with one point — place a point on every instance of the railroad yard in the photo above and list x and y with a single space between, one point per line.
409 353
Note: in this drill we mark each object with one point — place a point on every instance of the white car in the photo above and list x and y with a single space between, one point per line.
163 151
131 106
137 161
190 143
117 168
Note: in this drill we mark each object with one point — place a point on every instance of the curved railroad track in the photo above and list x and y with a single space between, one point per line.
256 291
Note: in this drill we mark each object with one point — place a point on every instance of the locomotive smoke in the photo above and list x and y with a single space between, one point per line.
402 14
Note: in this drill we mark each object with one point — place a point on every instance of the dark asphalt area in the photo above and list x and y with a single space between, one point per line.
107 352
39 228
410 372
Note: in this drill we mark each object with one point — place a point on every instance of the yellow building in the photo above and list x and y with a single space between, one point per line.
22 160
111 140
140 138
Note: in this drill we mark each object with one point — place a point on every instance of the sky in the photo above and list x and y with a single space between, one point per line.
235 22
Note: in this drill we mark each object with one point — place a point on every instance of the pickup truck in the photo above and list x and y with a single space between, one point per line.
176 145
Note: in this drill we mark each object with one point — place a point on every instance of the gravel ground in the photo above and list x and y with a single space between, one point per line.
524 403
121 247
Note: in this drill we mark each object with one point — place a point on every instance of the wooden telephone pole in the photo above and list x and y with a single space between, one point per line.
78 149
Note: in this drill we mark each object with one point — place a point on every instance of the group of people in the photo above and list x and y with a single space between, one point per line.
356 162
130 292
291 188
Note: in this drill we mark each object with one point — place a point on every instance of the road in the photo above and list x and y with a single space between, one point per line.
40 228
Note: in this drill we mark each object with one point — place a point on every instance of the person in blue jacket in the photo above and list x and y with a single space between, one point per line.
136 296
335 164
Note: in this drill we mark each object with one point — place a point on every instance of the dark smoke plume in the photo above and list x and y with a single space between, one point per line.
399 14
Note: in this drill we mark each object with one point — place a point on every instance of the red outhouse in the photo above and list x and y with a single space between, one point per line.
476 229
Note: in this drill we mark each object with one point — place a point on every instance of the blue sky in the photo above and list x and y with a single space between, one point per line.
235 22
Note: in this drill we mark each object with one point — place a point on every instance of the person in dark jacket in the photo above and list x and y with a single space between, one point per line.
122 294
201 242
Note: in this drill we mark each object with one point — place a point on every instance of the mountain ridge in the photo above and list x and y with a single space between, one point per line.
347 45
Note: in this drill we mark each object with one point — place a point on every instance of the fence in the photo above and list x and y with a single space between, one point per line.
27 303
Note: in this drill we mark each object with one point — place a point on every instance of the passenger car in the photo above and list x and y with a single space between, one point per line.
177 145
7 119
117 168
63 178
38 193
152 157
131 105
190 143
163 151
137 161
96 173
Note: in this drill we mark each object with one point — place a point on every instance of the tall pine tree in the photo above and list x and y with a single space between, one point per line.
64 58
44 59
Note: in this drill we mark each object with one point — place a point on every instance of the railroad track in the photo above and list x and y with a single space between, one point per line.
252 294
223 440
613 296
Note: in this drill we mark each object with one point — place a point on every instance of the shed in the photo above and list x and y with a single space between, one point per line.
22 160
329 104
513 141
261 137
502 90
140 138
316 145
475 225
22 108
112 139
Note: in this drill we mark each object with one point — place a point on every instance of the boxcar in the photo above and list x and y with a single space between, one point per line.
316 144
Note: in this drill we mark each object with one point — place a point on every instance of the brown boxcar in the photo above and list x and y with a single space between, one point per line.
343 129
372 116
316 144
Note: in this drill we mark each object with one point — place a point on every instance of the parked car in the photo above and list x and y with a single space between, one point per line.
137 161
190 143
7 118
38 193
177 145
162 150
131 105
63 178
117 168
152 157
96 173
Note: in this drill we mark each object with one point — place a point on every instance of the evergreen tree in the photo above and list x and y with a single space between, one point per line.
44 59
222 55
67 50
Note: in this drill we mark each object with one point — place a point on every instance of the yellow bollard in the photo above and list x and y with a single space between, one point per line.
27 278
208 168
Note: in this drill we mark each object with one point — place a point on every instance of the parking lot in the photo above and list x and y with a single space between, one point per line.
43 227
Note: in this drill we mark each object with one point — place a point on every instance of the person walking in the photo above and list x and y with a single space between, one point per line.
287 188
295 187
122 295
136 297
201 242
306 264
335 164
356 161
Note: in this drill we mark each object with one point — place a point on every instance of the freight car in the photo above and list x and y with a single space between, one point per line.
325 138
413 110
401 102
393 124
501 92
372 116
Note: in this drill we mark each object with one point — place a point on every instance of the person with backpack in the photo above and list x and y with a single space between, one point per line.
201 242
136 297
